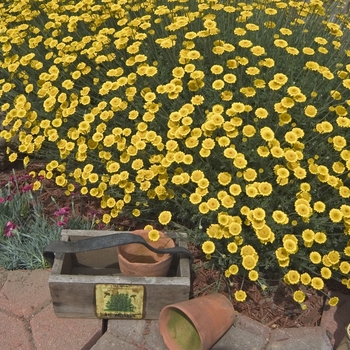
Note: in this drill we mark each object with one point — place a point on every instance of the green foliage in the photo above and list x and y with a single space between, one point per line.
229 118
25 231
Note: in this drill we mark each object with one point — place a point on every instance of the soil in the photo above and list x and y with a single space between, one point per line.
274 306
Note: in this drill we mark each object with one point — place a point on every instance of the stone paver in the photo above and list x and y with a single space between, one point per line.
335 319
153 336
303 338
28 322
3 276
25 291
14 333
109 341
244 334
128 329
69 333
130 335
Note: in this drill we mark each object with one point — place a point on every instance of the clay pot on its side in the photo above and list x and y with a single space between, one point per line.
137 260
196 324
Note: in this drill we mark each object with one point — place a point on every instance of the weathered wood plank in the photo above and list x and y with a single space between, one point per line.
63 262
74 277
74 296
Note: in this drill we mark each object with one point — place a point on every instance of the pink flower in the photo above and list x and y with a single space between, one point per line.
62 211
63 222
27 188
9 228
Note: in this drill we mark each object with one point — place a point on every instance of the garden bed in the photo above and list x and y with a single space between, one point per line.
185 116
273 307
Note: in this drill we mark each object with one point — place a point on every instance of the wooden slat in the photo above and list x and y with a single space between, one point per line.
74 276
184 266
74 296
62 262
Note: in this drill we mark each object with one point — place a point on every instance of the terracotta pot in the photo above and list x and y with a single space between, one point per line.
137 260
196 324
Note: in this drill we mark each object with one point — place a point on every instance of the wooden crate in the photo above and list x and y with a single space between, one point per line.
74 276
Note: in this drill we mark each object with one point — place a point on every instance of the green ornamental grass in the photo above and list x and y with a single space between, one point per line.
227 117
25 228
25 233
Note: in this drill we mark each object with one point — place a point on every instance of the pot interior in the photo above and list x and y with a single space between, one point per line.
182 331
138 253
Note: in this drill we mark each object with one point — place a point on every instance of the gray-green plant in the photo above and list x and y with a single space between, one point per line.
25 231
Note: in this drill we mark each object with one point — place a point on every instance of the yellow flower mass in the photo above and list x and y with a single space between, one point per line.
192 116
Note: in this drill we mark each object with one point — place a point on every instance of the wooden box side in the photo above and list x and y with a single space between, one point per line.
74 295
63 262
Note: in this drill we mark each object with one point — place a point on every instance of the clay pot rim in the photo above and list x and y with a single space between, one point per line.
163 258
191 311
166 315
178 309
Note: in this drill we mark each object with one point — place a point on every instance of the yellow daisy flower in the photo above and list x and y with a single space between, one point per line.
164 217
208 247
240 295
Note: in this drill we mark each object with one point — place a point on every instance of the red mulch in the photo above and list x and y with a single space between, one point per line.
273 307
53 196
